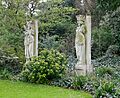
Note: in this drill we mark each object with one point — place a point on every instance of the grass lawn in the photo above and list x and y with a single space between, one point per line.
10 89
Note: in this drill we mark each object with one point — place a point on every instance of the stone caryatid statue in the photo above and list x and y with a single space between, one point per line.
80 40
29 40
80 44
83 45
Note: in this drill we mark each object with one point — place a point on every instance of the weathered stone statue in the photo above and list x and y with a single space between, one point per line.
80 40
29 40
83 45
80 44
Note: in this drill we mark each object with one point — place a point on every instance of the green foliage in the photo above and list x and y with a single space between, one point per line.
51 42
108 66
108 5
61 44
107 76
101 86
108 61
103 7
106 89
113 22
69 3
49 65
101 39
9 63
56 18
5 74
113 50
101 71
89 86
12 16
63 82
71 63
79 82
106 37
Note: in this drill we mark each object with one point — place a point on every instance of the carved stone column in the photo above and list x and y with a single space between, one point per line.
36 38
89 67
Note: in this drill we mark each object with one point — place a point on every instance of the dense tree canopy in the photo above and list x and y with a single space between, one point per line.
55 18
11 25
108 5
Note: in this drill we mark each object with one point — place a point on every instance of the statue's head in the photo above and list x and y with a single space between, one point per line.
29 24
29 28
80 19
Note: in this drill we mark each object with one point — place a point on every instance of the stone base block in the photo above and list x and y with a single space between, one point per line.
80 70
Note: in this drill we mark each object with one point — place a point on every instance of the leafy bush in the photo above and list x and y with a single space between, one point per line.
101 39
50 42
112 21
113 50
107 34
10 63
49 65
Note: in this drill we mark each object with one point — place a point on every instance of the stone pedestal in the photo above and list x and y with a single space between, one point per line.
80 70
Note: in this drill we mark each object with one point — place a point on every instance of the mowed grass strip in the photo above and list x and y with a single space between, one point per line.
10 89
